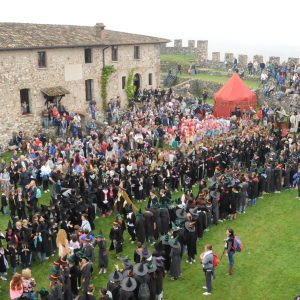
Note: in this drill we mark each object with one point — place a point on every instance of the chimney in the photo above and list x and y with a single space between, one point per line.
100 29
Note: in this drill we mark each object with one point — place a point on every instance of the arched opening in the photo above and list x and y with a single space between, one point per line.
137 84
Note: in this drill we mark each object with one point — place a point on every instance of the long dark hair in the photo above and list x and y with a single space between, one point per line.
231 232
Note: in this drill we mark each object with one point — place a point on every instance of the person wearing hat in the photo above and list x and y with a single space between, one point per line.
152 279
175 255
86 269
190 239
74 275
127 290
100 241
116 237
142 278
56 287
113 285
127 265
88 248
166 250
160 274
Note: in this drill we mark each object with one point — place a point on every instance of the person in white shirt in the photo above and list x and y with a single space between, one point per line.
45 174
85 224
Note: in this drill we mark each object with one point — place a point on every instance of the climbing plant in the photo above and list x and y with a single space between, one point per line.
130 88
106 72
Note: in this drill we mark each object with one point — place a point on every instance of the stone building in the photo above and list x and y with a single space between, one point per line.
44 64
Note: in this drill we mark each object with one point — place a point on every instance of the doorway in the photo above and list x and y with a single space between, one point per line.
137 84
24 97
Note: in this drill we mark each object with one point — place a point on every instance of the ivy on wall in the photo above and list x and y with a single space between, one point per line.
130 88
106 72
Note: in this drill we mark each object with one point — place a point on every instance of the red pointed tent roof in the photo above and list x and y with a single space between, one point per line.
235 90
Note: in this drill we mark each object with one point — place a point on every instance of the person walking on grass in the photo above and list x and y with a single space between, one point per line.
229 248
207 259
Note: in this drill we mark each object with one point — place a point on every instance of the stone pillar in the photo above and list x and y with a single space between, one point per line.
243 60
177 43
229 57
293 61
202 49
216 56
258 58
191 43
274 60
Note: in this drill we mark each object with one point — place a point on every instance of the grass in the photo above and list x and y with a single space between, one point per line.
252 84
182 59
268 267
186 59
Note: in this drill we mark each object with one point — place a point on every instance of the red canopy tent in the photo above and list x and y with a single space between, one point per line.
233 94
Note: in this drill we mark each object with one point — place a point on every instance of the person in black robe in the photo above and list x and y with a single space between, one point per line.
191 240
86 269
160 274
149 226
74 276
113 285
102 253
164 219
116 237
130 221
140 227
127 290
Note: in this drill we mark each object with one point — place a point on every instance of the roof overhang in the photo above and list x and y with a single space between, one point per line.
55 91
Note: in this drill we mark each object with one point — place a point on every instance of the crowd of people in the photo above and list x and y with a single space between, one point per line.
159 146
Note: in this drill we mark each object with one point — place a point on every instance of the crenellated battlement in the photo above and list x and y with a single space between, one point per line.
200 48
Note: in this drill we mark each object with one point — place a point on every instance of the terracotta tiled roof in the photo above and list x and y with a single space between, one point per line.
38 36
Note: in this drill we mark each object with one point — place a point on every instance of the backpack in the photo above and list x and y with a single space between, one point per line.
237 244
38 193
144 292
216 260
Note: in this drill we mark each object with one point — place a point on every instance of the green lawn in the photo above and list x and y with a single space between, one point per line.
268 267
182 59
252 84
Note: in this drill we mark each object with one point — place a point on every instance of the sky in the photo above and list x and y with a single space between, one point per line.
238 26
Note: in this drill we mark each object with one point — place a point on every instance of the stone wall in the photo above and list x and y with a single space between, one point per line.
200 51
66 68
196 87
201 55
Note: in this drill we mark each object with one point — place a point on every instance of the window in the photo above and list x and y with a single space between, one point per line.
150 79
88 55
114 53
24 97
136 53
89 89
42 59
123 82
